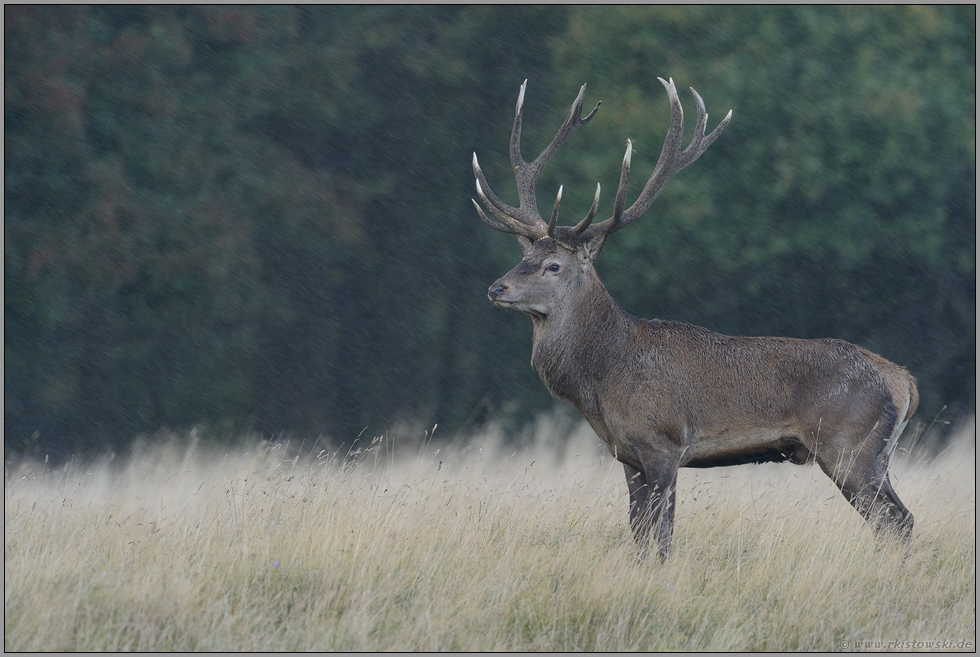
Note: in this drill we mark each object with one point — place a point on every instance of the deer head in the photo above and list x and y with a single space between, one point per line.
559 258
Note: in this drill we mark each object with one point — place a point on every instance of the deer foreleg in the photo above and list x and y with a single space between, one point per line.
662 502
652 501
639 504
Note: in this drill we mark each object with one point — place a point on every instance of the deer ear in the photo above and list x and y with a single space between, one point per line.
588 251
526 245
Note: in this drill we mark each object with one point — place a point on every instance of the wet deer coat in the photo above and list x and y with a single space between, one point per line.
662 394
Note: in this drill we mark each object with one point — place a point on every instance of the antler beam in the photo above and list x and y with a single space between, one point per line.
672 160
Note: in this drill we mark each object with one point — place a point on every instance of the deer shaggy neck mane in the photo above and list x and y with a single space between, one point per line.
581 343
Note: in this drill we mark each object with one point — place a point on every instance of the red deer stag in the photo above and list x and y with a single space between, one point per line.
662 394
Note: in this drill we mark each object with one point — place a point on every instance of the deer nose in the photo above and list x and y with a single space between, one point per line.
496 290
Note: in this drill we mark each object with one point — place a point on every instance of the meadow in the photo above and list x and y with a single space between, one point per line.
476 547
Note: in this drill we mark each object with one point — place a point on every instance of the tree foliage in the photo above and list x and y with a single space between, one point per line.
259 217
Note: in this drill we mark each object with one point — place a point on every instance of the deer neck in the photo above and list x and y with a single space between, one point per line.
578 345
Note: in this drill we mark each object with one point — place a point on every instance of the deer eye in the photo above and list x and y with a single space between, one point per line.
553 267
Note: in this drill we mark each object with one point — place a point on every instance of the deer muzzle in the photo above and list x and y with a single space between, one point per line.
496 291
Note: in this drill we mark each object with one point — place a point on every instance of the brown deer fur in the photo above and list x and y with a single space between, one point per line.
663 394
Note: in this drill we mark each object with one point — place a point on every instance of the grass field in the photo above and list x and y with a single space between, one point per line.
475 547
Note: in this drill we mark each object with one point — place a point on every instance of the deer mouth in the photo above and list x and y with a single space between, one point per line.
496 293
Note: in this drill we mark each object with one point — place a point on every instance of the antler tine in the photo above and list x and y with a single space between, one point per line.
700 143
667 163
488 221
624 183
554 213
507 224
582 225
572 122
710 138
516 161
527 224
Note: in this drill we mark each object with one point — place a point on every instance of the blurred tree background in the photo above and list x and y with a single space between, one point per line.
258 218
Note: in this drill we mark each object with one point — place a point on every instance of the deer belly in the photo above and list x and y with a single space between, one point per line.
736 448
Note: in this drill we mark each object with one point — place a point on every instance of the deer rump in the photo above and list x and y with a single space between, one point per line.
664 394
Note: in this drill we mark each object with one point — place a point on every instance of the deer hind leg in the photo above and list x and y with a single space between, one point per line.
880 506
860 470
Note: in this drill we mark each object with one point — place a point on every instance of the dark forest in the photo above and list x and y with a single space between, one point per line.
258 219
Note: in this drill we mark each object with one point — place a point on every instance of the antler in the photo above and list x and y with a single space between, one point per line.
672 159
525 220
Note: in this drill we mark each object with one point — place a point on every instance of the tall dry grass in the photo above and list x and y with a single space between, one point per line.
473 548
